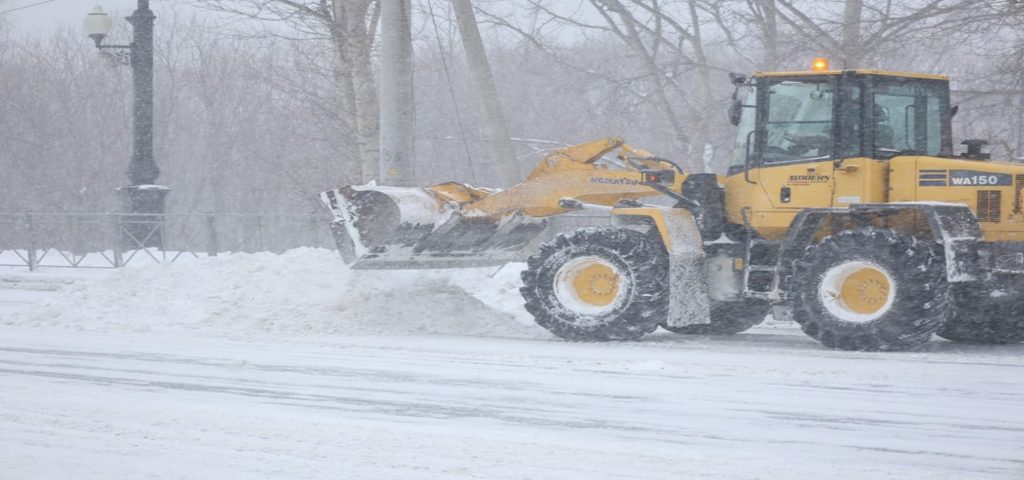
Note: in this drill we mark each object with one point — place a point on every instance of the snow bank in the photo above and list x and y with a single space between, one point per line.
301 292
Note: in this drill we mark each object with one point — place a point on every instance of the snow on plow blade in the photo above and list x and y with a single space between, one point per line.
379 227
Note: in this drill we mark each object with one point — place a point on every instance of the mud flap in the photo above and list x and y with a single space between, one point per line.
689 303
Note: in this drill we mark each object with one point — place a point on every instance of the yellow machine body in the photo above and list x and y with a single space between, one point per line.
990 189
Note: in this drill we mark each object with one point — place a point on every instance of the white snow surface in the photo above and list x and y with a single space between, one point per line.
294 367
301 292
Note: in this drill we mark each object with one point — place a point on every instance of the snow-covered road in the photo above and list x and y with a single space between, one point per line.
294 367
771 404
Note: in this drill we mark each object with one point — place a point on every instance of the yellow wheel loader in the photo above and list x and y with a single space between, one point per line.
844 208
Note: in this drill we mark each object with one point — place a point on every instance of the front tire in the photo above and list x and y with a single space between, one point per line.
597 284
869 289
727 318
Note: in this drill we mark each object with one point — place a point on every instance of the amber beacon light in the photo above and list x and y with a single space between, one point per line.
819 64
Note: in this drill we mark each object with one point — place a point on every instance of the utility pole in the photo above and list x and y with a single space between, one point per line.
397 112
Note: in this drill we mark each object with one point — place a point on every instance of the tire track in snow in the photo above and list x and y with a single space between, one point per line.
690 400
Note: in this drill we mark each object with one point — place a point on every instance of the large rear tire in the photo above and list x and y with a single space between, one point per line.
869 289
978 317
598 284
727 318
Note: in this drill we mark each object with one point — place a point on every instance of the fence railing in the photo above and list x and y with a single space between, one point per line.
114 240
89 240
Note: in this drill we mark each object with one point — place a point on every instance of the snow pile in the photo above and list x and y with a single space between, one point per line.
301 292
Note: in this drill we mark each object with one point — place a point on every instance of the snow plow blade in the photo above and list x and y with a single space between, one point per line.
377 227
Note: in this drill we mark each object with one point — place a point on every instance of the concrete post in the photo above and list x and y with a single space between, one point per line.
397 112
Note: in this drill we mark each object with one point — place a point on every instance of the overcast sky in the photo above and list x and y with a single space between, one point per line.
49 16
46 16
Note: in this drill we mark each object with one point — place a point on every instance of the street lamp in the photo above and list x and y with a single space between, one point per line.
142 199
97 25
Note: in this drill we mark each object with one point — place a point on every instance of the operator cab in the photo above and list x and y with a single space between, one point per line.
806 117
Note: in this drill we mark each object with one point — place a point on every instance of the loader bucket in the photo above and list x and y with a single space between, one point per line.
411 228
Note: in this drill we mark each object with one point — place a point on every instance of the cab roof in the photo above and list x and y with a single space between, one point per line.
881 73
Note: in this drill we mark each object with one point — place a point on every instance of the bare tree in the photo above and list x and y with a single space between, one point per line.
864 31
350 27
667 48
261 122
354 47
495 128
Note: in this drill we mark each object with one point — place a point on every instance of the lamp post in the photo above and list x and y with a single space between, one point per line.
142 199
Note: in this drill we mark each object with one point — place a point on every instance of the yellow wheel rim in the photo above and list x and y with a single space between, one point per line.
857 291
596 284
865 291
589 285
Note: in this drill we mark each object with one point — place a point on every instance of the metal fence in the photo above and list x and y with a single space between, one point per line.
113 240
88 240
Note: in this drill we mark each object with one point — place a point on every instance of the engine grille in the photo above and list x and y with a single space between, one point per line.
989 206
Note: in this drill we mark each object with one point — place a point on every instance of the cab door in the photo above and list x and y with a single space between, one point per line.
904 116
792 164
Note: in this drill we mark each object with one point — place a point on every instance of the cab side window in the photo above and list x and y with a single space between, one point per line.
907 116
799 122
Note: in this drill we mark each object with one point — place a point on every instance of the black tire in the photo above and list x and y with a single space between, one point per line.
727 318
911 295
978 317
642 299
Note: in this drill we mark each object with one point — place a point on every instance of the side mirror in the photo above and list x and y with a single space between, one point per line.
737 79
735 112
953 111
